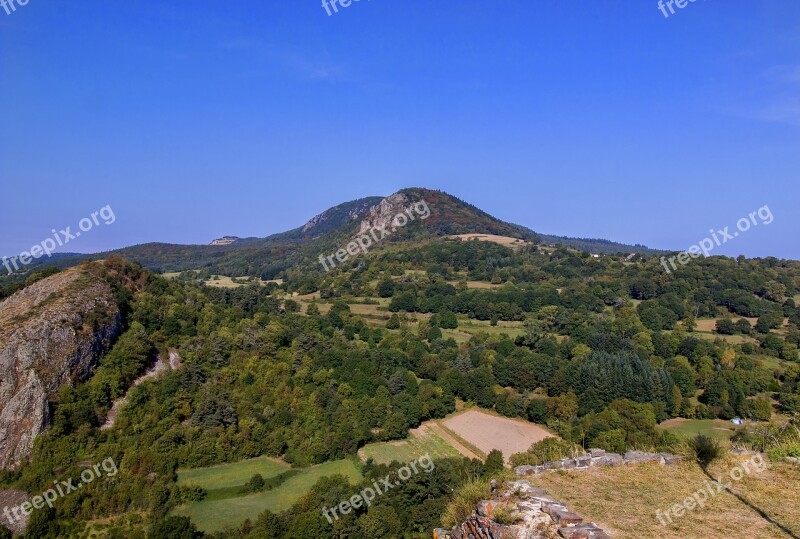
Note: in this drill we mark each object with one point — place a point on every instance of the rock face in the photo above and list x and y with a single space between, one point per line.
52 333
382 214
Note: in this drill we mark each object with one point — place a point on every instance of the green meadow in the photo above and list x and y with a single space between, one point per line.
214 514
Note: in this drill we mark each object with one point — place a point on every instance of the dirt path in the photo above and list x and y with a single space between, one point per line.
450 439
174 363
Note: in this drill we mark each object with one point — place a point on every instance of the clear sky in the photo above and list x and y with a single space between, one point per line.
195 119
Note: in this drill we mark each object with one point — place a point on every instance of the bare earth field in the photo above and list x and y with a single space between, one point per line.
487 432
502 240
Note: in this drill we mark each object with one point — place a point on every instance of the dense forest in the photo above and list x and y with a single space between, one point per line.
608 349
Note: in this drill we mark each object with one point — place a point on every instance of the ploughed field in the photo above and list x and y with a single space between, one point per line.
487 431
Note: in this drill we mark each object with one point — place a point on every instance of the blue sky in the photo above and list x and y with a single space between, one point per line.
197 119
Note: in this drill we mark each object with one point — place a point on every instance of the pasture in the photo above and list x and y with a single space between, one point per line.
212 515
689 428
421 441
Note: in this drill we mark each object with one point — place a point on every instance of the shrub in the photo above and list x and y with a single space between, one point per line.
193 493
503 514
706 450
256 484
726 327
494 463
611 440
393 323
547 450
757 409
465 501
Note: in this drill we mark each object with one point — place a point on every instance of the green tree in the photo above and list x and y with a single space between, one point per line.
611 440
494 463
725 326
175 528
393 322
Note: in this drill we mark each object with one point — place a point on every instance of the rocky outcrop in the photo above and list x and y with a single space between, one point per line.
382 214
338 216
225 240
52 333
522 511
598 457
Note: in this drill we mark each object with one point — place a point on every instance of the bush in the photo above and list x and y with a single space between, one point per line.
706 450
465 501
193 493
611 440
503 514
175 528
256 484
757 409
494 463
547 450
393 323
726 327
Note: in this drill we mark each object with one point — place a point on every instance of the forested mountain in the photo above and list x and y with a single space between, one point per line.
268 257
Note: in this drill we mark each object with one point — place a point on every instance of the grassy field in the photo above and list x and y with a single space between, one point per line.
624 500
421 442
773 363
229 475
732 339
472 326
688 428
223 281
214 515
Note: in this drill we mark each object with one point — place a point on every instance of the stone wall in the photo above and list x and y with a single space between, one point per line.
598 457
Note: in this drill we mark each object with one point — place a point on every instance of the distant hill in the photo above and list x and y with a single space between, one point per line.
267 257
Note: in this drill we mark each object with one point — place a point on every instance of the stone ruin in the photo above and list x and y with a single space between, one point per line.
598 457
